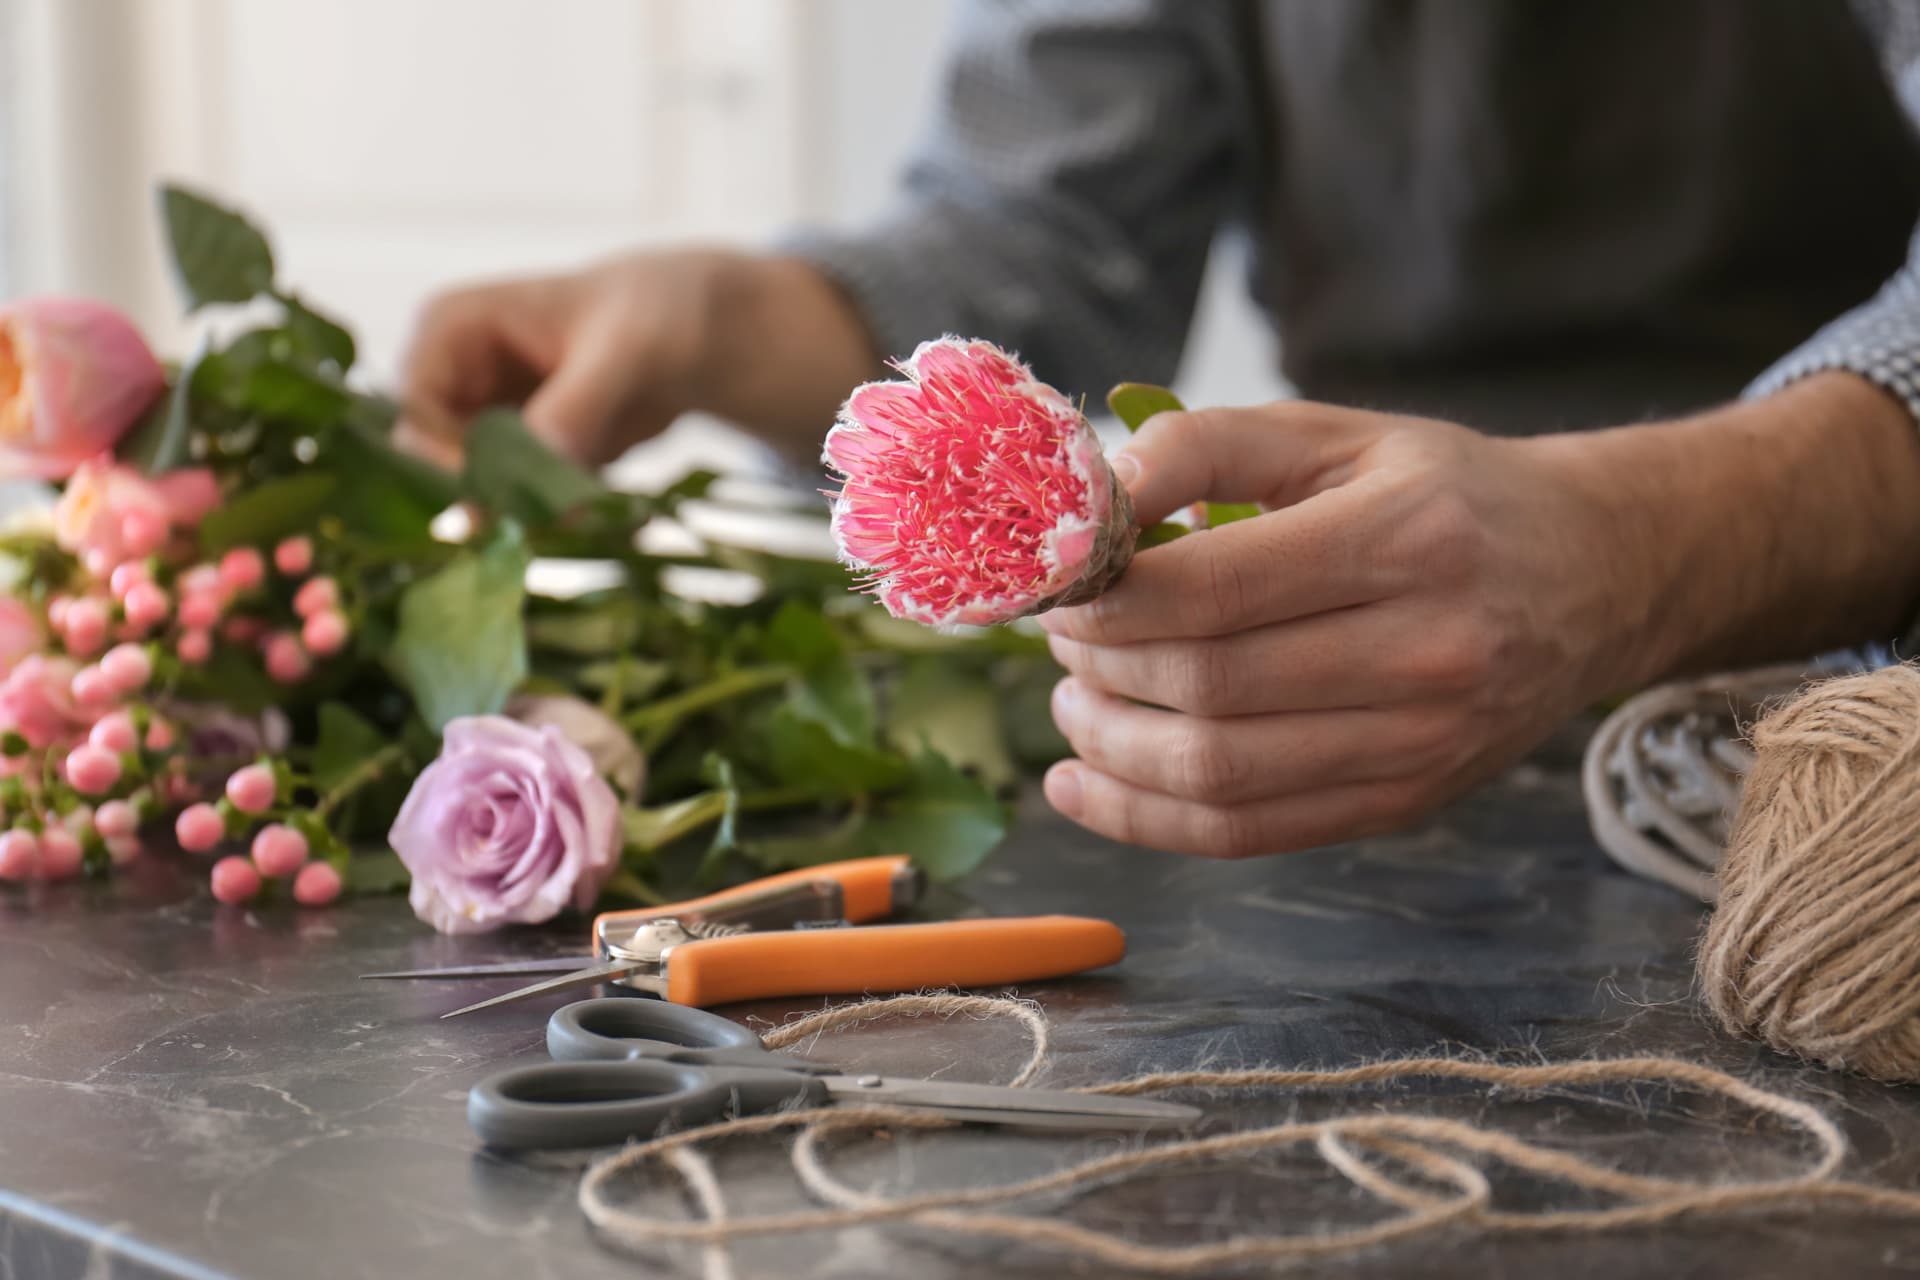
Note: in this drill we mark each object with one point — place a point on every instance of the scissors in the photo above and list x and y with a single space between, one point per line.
763 940
627 1067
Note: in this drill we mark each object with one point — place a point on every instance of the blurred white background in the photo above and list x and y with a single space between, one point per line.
394 146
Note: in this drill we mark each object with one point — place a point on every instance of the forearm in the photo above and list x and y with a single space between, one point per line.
784 347
1771 529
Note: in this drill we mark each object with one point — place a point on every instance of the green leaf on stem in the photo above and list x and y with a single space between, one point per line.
345 741
381 872
1134 402
512 473
829 690
804 752
460 647
277 390
218 255
268 511
393 497
315 336
956 713
159 443
945 821
1157 534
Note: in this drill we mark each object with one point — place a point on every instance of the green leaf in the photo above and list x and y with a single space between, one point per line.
345 741
381 872
945 821
1134 402
277 390
511 473
393 497
460 647
159 443
943 708
268 512
1027 706
218 256
830 691
233 679
804 752
1158 534
316 336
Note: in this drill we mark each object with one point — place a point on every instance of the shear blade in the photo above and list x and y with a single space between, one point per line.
578 978
504 969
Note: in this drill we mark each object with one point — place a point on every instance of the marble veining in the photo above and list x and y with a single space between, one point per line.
194 1092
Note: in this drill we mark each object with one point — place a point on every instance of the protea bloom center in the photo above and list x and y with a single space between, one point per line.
974 493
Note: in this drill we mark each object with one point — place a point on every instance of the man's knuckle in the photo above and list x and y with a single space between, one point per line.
1200 678
1231 589
1211 769
1453 660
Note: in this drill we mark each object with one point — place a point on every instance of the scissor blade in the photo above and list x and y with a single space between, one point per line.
504 969
578 978
1001 1104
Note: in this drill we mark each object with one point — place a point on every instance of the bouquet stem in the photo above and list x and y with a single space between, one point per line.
654 724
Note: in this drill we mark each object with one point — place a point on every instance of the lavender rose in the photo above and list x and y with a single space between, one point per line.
510 825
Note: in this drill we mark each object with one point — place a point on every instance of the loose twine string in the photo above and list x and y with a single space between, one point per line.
1438 1150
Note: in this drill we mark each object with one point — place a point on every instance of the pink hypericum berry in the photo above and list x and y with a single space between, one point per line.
242 569
279 850
325 632
973 493
243 630
159 735
199 828
57 612
93 687
143 532
114 732
116 818
202 580
60 854
83 625
19 855
194 647
146 604
314 595
294 556
287 660
123 849
127 667
317 885
92 770
252 789
126 575
201 611
235 880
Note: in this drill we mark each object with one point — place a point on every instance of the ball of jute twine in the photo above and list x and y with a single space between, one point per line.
1428 1168
1815 945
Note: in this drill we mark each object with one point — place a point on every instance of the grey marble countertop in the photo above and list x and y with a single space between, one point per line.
194 1091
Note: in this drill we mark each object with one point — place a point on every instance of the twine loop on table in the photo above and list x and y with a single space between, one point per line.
1447 1188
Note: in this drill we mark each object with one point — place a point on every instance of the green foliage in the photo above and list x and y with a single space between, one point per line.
159 443
512 474
218 256
460 649
345 741
1134 402
268 512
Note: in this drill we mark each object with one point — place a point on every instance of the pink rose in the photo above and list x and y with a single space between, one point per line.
112 513
509 826
20 632
74 376
36 701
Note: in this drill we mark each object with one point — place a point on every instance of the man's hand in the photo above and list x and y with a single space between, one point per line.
608 356
1420 604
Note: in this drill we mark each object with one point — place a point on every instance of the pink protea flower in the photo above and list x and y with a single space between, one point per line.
74 375
973 493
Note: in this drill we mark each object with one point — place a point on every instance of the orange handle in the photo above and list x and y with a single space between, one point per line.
866 891
899 957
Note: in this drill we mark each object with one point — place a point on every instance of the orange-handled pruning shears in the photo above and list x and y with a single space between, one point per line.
765 939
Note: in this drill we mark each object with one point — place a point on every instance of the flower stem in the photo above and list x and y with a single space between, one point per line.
628 885
660 826
653 725
368 772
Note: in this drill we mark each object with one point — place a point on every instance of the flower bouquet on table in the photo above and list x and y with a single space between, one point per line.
244 625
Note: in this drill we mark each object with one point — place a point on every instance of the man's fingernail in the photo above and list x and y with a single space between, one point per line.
1065 695
1127 467
1063 788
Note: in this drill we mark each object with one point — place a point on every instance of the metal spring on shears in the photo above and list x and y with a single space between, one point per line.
714 928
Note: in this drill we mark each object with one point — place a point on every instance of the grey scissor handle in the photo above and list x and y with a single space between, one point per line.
591 1104
630 1067
616 1029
